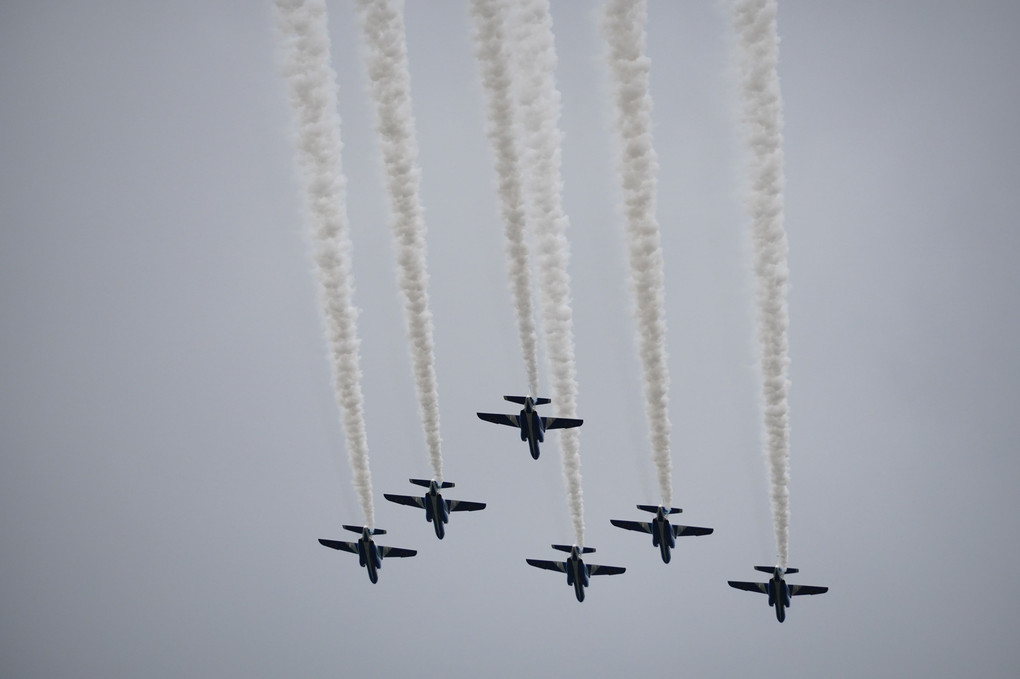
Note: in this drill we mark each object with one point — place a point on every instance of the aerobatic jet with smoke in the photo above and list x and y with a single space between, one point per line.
437 508
779 592
576 569
370 555
531 425
663 532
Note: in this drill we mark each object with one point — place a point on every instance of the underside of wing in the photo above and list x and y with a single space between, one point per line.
560 423
465 506
390 552
596 569
632 525
337 544
796 590
749 586
499 418
691 530
548 565
408 500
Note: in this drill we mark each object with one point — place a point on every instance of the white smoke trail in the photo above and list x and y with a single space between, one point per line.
540 102
302 29
624 28
755 23
382 30
492 54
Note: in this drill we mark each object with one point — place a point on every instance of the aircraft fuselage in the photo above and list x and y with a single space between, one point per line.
779 596
436 511
662 535
532 430
368 556
577 575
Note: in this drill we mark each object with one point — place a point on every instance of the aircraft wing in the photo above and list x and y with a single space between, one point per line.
807 589
595 569
337 544
498 418
560 422
386 552
691 530
408 500
632 525
749 586
464 506
548 565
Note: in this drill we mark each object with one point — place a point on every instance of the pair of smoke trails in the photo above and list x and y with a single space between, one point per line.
302 27
755 24
516 49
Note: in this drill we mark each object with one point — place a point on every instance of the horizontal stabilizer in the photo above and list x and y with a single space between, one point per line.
772 569
425 484
691 530
522 399
567 548
360 529
654 508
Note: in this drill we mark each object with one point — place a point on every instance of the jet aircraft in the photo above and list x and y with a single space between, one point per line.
370 555
531 425
437 509
779 592
663 532
576 569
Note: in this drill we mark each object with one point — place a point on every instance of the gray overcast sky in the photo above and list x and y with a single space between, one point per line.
170 445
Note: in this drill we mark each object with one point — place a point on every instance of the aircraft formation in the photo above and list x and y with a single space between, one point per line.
516 53
578 572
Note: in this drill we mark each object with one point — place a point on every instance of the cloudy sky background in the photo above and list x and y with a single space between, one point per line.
171 449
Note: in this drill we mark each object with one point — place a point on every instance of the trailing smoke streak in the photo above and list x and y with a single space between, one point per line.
382 30
302 27
624 28
540 100
755 23
491 51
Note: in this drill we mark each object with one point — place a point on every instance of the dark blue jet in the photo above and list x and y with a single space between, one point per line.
663 532
437 509
370 555
576 569
531 425
779 592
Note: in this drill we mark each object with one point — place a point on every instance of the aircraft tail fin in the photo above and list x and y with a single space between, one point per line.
522 399
655 508
425 483
567 548
360 529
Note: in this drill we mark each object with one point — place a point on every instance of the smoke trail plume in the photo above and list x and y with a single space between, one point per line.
755 23
382 29
540 103
492 53
302 28
624 28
